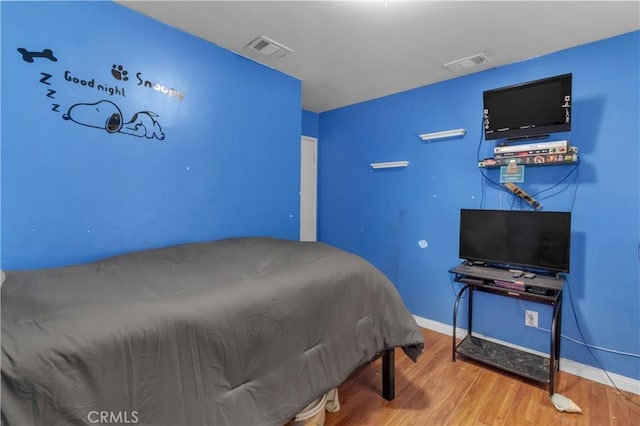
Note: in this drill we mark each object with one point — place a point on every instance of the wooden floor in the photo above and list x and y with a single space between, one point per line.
437 391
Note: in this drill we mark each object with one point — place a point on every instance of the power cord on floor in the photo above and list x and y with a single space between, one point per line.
575 317
588 346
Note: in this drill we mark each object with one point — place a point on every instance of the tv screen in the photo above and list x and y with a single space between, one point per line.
528 239
528 110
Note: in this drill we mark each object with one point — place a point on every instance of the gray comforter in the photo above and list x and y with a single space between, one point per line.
239 332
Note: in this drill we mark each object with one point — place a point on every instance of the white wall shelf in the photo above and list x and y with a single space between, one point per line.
389 165
443 134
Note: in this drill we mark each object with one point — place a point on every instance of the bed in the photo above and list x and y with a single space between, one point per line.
243 331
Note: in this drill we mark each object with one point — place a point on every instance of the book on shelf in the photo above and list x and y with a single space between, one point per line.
553 147
570 157
560 150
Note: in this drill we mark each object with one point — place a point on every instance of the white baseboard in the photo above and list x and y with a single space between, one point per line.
567 365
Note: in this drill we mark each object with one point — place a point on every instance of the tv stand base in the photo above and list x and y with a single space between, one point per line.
515 361
523 363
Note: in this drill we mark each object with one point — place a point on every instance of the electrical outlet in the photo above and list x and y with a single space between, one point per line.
531 318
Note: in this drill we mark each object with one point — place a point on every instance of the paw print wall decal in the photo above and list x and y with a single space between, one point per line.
119 73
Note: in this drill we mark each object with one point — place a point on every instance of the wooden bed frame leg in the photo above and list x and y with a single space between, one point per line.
388 375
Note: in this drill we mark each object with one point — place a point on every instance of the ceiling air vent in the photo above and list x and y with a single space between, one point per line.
464 64
268 47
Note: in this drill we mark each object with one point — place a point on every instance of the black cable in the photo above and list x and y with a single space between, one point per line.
575 317
483 189
482 181
453 285
521 203
575 182
573 169
482 169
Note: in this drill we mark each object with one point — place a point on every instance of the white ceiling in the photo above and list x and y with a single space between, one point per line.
351 51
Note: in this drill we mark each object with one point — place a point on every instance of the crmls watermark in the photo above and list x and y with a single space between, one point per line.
112 417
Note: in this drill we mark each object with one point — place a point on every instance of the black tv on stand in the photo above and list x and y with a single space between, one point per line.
538 241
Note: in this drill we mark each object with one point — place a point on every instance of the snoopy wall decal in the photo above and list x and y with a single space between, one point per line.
106 115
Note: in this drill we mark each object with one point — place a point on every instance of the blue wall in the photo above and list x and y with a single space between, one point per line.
228 164
383 215
310 123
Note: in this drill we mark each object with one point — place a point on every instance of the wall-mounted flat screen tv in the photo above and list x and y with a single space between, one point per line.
528 110
516 238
